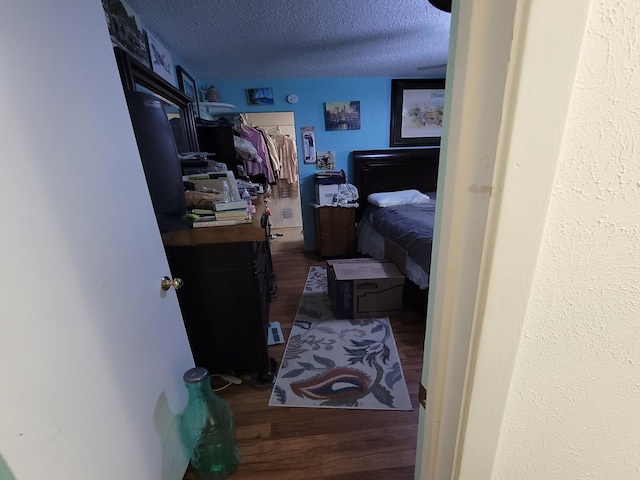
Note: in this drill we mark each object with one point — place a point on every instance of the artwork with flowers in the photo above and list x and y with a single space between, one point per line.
417 109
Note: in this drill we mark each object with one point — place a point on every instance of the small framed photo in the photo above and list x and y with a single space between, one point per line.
126 30
160 58
417 107
187 84
260 96
342 116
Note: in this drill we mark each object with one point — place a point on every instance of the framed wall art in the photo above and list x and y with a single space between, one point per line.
125 29
417 107
260 96
187 84
160 58
342 115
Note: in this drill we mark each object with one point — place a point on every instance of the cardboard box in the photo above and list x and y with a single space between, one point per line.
395 253
364 287
326 193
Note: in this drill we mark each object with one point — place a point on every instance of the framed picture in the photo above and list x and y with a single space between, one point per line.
260 96
187 84
125 29
417 107
342 116
160 58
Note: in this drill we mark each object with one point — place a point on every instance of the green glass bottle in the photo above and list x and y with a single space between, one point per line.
207 428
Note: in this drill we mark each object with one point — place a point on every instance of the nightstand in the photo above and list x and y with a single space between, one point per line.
335 231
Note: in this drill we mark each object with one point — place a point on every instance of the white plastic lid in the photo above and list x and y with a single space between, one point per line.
195 375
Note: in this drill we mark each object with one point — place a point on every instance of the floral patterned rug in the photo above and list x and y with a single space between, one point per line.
334 363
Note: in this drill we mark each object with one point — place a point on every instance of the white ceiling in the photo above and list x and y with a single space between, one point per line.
243 39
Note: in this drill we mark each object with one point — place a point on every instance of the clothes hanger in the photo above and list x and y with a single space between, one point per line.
240 120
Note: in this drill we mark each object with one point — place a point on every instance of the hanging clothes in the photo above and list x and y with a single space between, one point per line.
272 149
288 157
255 137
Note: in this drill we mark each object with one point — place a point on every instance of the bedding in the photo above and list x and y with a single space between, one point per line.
409 225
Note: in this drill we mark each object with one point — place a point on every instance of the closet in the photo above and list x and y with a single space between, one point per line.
284 199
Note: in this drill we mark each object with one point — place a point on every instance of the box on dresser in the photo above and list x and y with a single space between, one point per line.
327 186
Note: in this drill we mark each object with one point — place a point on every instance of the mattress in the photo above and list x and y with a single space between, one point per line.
409 226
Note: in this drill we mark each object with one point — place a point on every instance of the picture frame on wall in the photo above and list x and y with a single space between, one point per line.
160 58
342 115
125 30
260 96
187 85
417 107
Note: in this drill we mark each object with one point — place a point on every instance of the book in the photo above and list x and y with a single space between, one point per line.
205 218
232 205
202 211
219 223
230 214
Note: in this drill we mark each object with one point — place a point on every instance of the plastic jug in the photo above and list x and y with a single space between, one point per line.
207 428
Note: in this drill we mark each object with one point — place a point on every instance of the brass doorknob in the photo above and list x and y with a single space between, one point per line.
166 283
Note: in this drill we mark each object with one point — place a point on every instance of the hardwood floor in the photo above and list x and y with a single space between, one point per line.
289 443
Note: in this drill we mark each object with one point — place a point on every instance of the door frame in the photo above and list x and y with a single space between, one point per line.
494 170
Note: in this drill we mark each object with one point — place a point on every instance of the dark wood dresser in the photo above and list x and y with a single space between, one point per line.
226 294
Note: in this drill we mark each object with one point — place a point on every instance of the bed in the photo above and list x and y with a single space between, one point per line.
409 226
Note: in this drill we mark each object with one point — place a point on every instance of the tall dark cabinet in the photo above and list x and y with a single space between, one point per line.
225 298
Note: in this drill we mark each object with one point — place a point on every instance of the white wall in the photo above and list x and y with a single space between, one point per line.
573 409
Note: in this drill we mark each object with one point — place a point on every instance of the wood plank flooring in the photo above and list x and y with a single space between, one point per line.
289 443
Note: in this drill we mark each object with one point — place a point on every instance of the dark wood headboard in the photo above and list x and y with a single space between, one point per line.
391 170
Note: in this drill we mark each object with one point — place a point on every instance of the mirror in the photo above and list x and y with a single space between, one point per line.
286 208
137 76
162 121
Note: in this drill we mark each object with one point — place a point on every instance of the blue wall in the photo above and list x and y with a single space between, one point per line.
374 95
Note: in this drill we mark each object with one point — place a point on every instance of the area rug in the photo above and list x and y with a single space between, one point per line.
330 363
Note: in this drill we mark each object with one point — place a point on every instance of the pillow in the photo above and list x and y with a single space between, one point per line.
402 197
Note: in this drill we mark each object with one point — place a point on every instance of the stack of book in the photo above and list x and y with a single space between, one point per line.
223 213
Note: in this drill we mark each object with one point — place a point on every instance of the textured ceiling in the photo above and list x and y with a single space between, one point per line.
241 39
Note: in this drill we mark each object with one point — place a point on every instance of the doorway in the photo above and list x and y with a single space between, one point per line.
285 205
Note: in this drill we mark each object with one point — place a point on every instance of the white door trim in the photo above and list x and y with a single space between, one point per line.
500 150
